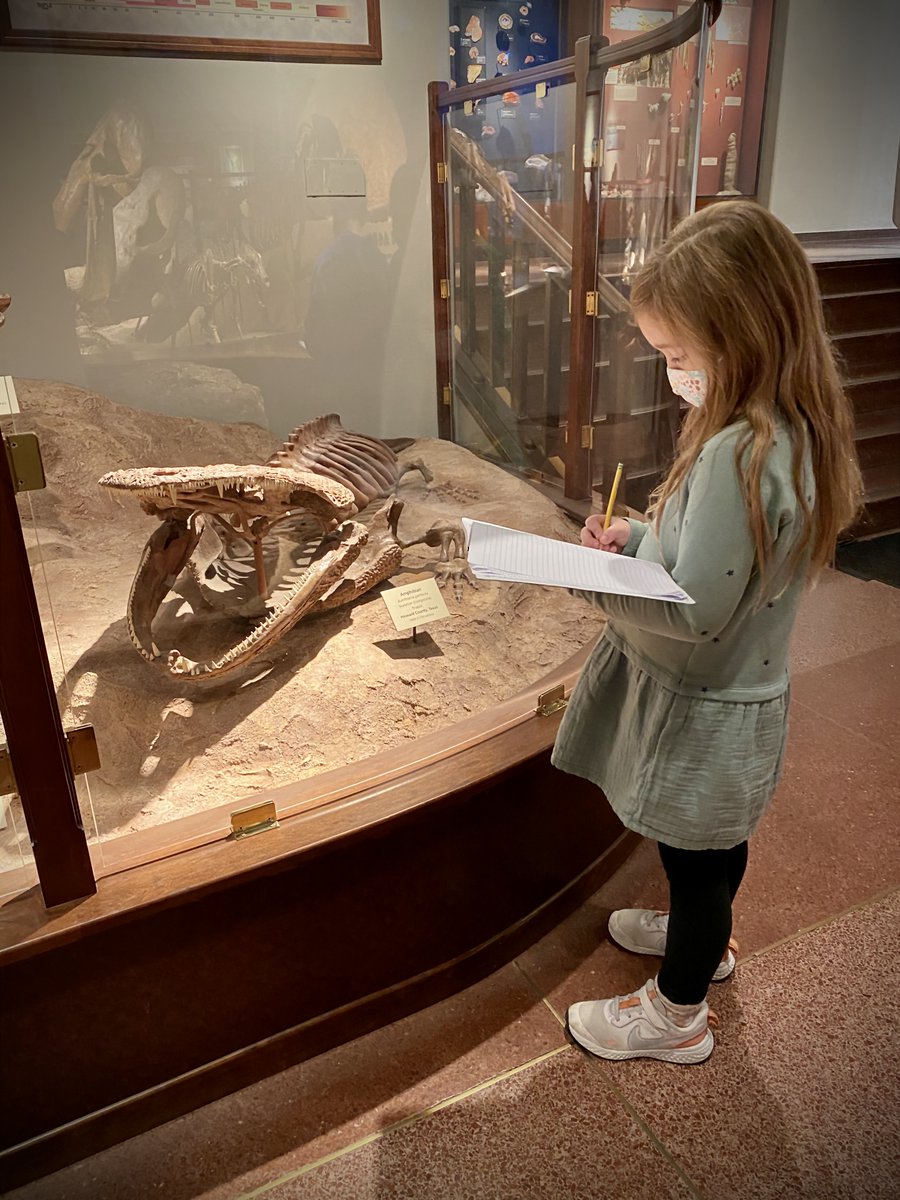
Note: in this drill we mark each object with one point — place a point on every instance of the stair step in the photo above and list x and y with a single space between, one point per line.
881 481
874 394
866 355
881 423
880 451
870 275
879 516
862 313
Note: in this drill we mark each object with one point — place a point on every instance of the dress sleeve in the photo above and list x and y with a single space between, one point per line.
638 530
714 560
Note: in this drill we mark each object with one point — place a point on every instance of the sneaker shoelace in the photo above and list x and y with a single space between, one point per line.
636 1005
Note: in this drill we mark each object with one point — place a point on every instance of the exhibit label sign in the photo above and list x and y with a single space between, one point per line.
415 604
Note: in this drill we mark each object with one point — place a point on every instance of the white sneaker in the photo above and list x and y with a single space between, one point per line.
638 1026
644 931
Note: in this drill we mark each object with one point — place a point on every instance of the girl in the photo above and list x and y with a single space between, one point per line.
680 714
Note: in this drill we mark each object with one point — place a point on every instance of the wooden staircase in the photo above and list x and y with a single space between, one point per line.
862 308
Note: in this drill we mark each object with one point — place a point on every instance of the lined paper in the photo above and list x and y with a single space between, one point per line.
496 552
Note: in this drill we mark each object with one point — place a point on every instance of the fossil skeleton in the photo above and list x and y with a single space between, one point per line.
215 545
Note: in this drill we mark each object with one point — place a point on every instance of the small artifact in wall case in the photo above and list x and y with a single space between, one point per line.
473 28
505 21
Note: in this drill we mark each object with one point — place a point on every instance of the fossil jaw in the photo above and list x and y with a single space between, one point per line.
259 491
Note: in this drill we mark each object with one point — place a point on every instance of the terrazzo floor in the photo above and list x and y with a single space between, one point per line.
482 1097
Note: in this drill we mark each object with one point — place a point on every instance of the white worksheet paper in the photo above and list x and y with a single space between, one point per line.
496 552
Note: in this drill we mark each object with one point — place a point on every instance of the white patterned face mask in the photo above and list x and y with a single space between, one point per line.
689 385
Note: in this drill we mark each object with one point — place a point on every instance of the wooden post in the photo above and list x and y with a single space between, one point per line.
585 254
440 259
34 732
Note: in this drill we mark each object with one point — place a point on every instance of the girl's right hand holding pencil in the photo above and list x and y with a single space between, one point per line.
613 539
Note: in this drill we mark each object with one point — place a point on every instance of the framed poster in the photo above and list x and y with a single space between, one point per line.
349 31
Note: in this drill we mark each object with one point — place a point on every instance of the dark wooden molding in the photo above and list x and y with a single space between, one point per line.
342 920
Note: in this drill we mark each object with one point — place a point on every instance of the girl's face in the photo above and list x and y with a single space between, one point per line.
680 354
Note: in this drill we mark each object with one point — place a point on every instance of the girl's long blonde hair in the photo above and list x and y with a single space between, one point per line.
735 282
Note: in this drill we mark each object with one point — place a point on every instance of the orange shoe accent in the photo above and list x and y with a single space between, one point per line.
712 1019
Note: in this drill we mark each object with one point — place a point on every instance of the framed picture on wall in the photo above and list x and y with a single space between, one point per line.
306 30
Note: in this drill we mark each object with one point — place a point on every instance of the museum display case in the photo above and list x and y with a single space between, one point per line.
560 181
239 796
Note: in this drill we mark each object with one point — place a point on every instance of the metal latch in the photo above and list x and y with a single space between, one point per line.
81 743
25 466
245 822
552 701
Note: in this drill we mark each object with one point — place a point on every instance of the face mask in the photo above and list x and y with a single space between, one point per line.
689 385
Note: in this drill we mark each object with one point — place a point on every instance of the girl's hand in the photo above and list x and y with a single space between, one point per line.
612 540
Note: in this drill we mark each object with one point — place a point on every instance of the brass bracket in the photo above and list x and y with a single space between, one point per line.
552 701
24 454
257 818
445 289
442 172
587 437
447 394
81 743
590 304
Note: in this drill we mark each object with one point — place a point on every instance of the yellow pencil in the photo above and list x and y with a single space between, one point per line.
612 497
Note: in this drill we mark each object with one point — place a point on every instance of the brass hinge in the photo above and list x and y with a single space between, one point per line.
445 289
24 454
587 437
590 304
81 743
442 172
552 701
447 394
257 818
597 153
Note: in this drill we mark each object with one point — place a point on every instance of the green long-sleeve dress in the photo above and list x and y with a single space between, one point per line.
680 714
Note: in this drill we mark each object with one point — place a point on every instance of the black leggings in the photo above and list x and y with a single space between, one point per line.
702 885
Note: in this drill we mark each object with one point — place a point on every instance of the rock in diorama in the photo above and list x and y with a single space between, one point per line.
214 543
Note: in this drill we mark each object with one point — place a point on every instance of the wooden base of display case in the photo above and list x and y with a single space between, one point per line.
189 977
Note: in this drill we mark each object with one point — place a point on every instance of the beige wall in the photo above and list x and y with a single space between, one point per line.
833 114
51 103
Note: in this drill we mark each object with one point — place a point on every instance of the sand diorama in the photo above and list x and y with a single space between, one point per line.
336 688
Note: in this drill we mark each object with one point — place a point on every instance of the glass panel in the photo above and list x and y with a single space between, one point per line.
650 126
153 341
511 184
17 870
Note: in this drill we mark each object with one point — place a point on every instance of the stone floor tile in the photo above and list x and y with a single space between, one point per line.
829 839
576 960
551 1132
238 1143
800 1098
841 617
861 694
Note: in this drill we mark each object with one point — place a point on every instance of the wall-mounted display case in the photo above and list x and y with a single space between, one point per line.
733 90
